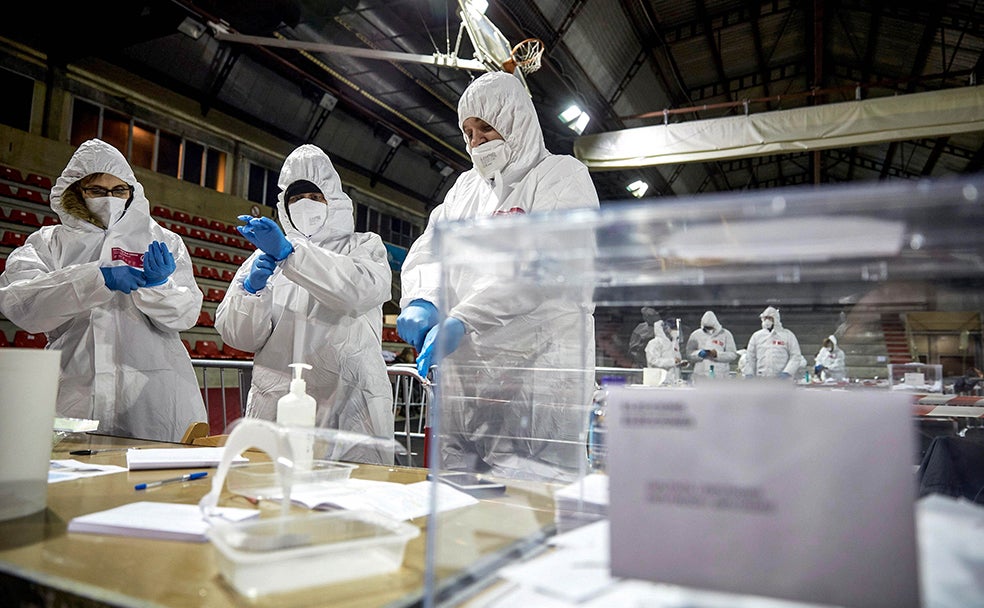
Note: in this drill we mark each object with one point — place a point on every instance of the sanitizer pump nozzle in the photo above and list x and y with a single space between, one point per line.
299 409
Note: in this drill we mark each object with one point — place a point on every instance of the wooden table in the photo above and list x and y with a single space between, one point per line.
40 561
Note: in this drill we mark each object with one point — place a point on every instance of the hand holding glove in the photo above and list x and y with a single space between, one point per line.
702 353
158 264
266 235
441 341
123 278
415 321
260 272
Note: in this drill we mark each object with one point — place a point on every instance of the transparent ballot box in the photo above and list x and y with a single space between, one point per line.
920 377
552 305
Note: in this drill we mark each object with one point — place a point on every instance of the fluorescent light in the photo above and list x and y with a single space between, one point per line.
638 188
191 28
479 6
575 118
394 141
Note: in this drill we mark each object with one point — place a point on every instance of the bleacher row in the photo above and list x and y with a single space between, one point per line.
216 248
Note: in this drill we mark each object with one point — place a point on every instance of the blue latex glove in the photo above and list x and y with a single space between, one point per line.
415 321
158 264
702 353
441 341
818 369
783 375
123 278
262 270
266 235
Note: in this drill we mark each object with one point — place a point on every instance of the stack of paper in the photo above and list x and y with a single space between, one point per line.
176 458
159 520
582 502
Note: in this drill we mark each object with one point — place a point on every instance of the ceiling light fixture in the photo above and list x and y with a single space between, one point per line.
574 118
637 188
479 6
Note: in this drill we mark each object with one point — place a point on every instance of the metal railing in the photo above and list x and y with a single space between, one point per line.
411 397
214 374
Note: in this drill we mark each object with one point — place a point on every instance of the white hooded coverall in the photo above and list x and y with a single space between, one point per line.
323 306
664 352
720 339
122 361
832 359
519 384
775 351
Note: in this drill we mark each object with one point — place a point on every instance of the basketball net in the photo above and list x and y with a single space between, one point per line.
526 56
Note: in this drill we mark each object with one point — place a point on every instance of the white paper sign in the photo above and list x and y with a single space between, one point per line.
767 489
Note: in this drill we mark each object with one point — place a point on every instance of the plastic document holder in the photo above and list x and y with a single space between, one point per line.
293 551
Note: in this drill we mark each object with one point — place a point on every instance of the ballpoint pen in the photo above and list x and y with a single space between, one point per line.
154 484
91 452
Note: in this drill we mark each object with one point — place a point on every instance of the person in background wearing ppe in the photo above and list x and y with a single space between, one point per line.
641 335
711 347
313 293
829 363
520 374
773 351
111 289
663 351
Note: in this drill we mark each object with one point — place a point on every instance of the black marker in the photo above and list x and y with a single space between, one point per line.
91 452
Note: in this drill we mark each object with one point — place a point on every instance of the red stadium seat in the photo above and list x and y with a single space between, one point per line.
199 221
228 276
22 339
50 220
210 273
6 190
234 242
13 239
38 180
187 346
221 256
215 237
33 196
9 173
217 226
179 229
202 252
207 349
238 259
181 216
231 229
205 319
215 295
198 233
229 352
3 340
162 212
3 264
19 216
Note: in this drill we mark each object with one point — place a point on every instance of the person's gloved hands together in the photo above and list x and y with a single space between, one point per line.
158 264
702 353
260 272
783 375
266 235
123 278
441 341
415 321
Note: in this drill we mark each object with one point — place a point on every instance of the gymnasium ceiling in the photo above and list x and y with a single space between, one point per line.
620 60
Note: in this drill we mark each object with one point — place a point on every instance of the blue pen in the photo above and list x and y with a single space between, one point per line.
154 484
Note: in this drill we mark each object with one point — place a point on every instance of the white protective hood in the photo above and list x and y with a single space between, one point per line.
311 163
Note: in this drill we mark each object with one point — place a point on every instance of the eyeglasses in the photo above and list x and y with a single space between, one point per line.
118 191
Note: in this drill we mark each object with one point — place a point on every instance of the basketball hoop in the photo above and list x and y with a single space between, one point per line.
525 55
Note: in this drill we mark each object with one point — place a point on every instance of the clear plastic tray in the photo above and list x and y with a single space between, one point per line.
259 480
276 555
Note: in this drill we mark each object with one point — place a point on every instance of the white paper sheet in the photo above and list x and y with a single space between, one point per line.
69 469
767 489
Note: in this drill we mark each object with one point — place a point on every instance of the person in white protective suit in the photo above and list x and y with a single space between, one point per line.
520 374
111 289
313 293
711 346
773 351
663 352
829 363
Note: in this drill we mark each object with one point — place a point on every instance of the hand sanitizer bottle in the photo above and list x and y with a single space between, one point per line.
297 408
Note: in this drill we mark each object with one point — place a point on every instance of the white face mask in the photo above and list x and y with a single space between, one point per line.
767 325
107 208
308 216
489 157
674 334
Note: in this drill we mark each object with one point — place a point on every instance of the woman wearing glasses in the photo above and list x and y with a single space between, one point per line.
111 289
